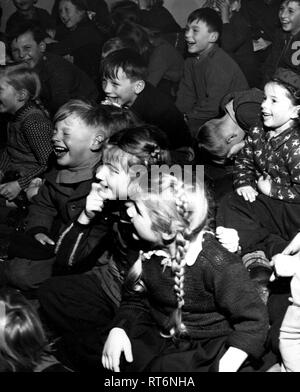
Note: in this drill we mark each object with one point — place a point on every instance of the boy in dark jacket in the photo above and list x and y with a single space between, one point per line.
210 74
79 131
60 80
27 11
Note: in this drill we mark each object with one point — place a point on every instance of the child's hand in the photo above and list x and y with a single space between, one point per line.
293 247
10 190
94 203
264 184
224 8
44 239
248 193
285 265
229 238
235 149
116 343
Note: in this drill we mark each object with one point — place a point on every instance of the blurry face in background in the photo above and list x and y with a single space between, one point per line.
289 16
24 5
69 14
26 49
9 98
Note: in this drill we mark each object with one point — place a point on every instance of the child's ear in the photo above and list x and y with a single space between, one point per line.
139 86
214 36
230 138
22 95
97 143
296 112
42 46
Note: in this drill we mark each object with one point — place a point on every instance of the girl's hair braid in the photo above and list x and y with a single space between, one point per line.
173 208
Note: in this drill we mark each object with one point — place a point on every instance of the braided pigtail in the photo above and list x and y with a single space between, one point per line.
133 280
178 212
178 259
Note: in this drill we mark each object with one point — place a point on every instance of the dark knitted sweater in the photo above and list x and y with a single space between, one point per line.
220 299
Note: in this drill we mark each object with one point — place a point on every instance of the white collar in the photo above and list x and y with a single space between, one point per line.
194 249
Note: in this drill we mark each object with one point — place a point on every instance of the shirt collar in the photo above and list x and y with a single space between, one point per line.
277 141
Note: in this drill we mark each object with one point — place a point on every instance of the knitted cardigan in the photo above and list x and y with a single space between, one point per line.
220 299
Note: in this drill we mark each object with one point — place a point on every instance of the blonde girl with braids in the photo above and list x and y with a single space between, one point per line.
24 346
189 304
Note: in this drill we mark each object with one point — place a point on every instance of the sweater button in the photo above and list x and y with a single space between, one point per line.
73 207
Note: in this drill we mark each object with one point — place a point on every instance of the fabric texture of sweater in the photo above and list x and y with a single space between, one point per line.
277 156
220 299
206 80
62 81
28 144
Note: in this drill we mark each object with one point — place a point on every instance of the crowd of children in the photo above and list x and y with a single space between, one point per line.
158 185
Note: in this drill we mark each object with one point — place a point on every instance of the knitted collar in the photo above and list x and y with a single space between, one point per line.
23 110
192 253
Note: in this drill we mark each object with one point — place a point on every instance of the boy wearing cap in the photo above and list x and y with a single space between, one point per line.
209 74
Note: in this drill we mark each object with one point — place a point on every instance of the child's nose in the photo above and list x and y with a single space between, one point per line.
107 87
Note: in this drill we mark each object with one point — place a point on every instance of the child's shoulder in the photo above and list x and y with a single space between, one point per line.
216 254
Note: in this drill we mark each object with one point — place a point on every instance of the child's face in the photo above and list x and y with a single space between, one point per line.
277 108
198 37
24 5
289 15
142 223
121 90
73 141
26 49
69 14
113 181
9 98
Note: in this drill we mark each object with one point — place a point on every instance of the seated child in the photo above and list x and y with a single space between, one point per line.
209 73
23 343
164 62
27 11
80 40
81 307
79 131
189 304
124 74
60 80
264 210
285 47
236 38
29 130
222 138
